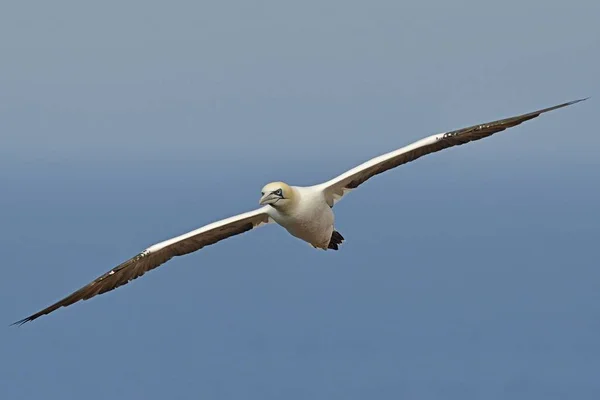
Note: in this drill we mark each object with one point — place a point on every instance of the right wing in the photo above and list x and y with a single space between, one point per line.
158 254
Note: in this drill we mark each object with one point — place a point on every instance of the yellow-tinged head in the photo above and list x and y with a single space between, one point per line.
276 194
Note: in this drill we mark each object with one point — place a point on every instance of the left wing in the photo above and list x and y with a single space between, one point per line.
157 255
339 186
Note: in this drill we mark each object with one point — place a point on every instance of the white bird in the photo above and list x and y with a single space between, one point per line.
305 212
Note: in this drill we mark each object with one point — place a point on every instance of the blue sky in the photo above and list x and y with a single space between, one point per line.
468 274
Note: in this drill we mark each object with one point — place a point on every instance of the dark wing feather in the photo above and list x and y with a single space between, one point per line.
338 186
157 255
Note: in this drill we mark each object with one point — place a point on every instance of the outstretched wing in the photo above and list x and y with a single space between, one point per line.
337 187
158 254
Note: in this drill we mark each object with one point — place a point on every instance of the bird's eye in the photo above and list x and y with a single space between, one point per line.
278 192
262 193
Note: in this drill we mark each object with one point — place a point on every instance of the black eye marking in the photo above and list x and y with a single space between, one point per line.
278 192
262 193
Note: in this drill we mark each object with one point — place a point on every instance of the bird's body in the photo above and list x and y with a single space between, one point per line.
305 212
308 217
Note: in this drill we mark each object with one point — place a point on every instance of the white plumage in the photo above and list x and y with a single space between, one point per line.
305 212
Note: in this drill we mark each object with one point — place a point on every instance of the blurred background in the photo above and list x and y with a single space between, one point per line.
468 274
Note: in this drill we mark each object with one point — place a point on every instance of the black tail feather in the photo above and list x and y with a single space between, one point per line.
336 240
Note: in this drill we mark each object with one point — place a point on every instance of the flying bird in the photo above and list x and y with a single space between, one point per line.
305 212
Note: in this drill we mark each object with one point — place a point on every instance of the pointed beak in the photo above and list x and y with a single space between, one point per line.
268 198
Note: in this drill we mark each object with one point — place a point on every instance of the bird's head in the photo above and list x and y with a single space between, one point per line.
276 194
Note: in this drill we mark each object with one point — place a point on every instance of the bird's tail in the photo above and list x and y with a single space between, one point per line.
336 240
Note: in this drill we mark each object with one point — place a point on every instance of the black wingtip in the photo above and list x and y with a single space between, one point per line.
21 322
577 101
569 103
545 110
25 320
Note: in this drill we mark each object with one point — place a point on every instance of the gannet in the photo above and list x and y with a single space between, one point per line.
305 212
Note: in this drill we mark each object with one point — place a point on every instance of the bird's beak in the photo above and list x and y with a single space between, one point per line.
268 198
